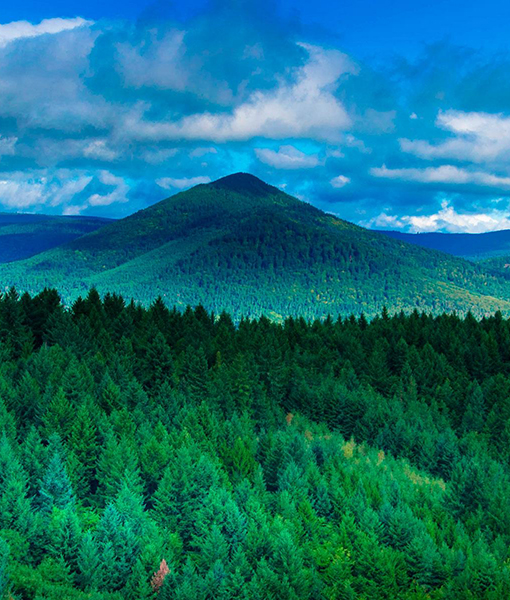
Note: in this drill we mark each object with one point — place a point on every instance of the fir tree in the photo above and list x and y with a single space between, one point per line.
55 490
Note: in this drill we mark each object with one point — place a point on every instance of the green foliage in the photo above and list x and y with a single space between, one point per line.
4 570
242 246
178 455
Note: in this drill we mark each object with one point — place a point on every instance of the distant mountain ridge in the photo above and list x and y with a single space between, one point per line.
25 235
472 246
241 245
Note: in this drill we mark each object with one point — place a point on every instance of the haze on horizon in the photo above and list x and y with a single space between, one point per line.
387 117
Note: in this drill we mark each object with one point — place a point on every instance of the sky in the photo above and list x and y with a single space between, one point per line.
393 115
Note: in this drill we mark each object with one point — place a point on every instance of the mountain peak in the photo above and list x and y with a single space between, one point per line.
244 183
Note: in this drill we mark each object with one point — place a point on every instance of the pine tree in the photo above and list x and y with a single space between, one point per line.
117 459
110 399
138 586
27 401
423 560
294 576
58 416
55 490
119 547
83 444
15 509
216 583
194 374
4 570
474 416
154 458
64 536
7 421
183 488
90 568
158 364
77 382
34 458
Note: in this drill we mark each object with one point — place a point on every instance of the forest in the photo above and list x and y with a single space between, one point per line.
242 246
150 452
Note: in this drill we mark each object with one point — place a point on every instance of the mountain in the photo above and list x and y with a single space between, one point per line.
24 235
241 245
472 246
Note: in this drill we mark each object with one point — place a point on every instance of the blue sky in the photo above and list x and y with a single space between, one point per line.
389 114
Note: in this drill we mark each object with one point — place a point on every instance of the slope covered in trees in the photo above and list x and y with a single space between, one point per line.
243 246
155 453
25 235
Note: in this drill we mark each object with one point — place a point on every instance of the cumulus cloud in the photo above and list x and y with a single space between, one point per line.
446 174
287 157
118 194
339 181
303 108
99 150
181 183
478 137
20 191
17 30
94 118
446 219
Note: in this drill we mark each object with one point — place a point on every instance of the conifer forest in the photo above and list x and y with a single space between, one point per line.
183 455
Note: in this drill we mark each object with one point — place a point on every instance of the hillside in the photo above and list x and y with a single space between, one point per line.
472 246
334 460
498 265
246 247
25 235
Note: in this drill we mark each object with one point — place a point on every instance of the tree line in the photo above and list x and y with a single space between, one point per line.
157 453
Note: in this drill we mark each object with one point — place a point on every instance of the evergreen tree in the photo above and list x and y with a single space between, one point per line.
83 444
4 570
473 419
59 416
90 568
55 490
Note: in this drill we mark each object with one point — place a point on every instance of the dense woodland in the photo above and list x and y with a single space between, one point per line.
245 247
155 453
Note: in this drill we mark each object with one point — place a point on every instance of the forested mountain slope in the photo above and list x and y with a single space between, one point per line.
159 454
24 235
243 246
472 246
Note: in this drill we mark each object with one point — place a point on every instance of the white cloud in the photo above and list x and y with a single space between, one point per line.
479 137
73 210
119 194
16 30
168 183
304 108
340 181
446 219
447 174
99 150
48 151
62 193
287 157
21 191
